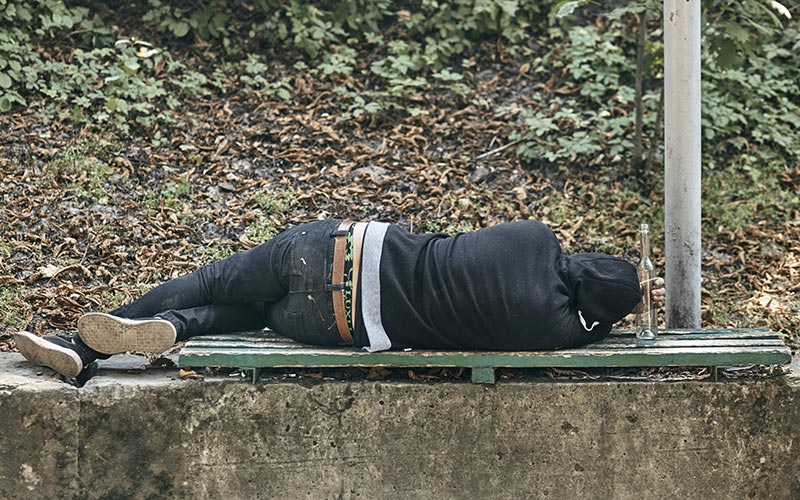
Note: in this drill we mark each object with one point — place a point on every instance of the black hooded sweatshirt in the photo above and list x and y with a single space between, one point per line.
507 287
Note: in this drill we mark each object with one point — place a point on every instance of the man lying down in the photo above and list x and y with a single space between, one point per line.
372 285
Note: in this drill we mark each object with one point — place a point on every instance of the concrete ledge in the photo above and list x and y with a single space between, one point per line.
152 436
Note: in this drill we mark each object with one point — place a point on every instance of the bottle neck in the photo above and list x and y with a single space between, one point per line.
644 240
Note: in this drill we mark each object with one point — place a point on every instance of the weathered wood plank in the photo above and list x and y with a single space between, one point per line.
733 333
613 344
245 344
705 334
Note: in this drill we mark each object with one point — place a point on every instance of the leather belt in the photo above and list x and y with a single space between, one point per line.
337 280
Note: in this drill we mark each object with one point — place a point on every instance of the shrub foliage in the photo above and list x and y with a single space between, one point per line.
69 62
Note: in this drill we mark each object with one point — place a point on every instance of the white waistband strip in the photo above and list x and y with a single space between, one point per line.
371 287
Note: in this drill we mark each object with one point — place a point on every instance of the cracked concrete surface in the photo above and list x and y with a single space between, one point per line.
147 434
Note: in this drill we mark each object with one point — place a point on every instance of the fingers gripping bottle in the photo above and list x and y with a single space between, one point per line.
646 314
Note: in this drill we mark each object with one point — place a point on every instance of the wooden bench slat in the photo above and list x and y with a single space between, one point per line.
256 344
733 333
611 343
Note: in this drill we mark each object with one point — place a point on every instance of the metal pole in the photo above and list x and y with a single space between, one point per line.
682 162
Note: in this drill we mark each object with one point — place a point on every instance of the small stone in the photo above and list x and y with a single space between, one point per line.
376 173
105 210
479 174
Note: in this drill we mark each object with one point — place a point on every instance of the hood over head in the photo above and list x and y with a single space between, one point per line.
605 288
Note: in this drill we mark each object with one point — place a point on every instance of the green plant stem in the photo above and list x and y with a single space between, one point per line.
641 40
656 140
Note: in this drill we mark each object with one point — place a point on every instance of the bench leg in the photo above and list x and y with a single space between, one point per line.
483 375
255 373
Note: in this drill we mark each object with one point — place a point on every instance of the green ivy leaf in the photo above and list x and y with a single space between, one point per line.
131 67
735 31
567 8
180 29
5 81
727 57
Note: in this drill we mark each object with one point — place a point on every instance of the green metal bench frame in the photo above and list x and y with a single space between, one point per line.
713 348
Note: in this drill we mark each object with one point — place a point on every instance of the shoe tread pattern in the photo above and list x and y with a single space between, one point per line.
111 335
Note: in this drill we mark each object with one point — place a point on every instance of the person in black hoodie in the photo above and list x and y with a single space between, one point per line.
373 286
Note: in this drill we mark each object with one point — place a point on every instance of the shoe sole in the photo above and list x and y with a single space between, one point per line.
41 352
112 335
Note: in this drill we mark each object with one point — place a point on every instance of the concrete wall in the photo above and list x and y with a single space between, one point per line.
151 436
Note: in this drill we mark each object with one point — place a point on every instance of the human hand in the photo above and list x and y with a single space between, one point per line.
658 293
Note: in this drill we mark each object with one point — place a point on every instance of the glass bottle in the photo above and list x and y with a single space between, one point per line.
646 314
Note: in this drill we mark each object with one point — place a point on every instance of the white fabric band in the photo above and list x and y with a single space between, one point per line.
370 288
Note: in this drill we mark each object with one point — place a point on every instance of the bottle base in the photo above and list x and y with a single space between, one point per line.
646 335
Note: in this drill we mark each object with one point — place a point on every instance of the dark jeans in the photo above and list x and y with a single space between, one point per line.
279 284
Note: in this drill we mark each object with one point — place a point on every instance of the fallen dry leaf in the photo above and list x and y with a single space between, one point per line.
189 375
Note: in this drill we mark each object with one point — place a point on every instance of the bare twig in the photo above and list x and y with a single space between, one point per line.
497 150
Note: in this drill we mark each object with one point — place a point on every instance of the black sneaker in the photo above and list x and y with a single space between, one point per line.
66 355
111 334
